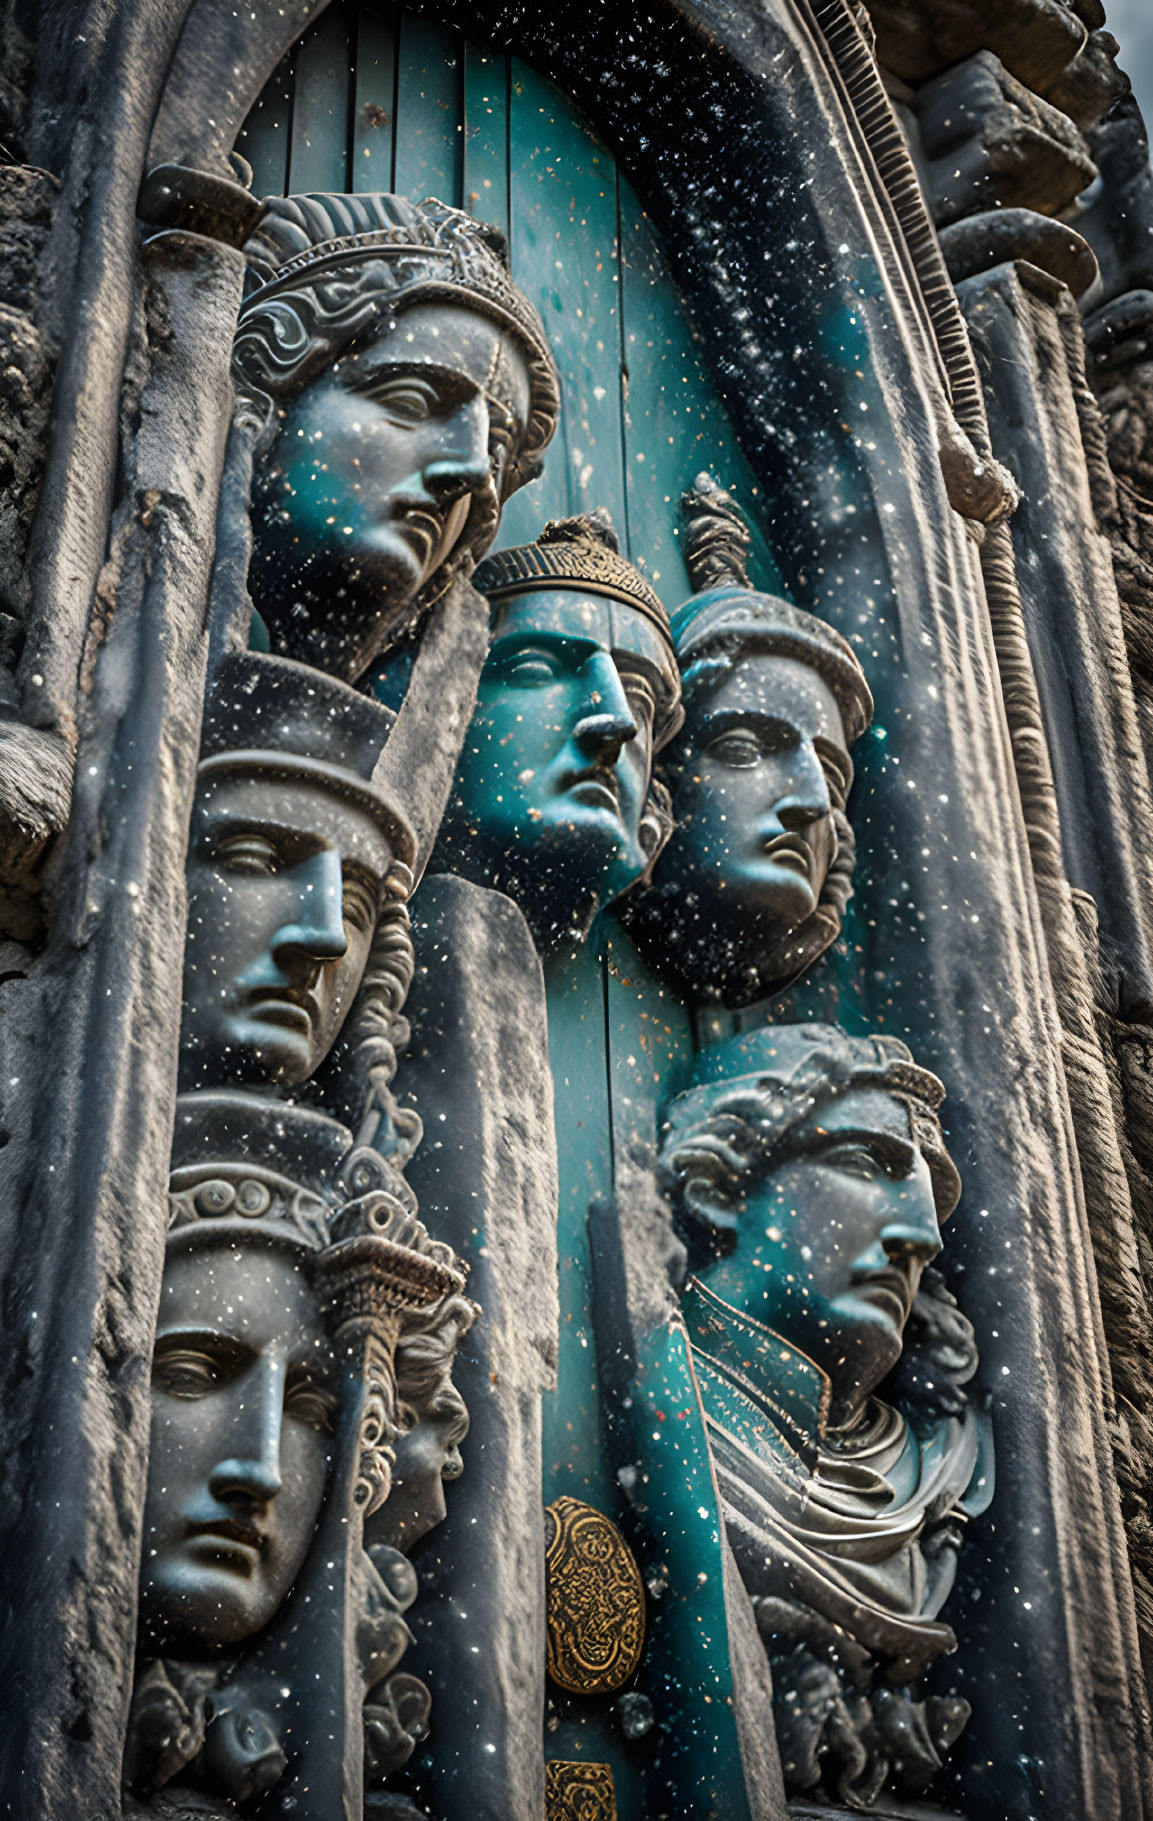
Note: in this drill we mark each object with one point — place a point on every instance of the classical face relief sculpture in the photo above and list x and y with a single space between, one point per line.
809 1177
293 1261
405 388
244 1406
298 864
432 1424
752 886
554 801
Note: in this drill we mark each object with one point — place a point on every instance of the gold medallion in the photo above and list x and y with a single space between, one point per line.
579 1792
596 1600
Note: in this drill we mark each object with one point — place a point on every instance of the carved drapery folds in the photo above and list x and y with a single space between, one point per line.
809 1178
719 1423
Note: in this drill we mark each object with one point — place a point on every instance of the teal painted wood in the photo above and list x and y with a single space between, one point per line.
485 174
263 139
563 221
675 425
650 1042
575 1456
374 100
688 1669
429 121
318 158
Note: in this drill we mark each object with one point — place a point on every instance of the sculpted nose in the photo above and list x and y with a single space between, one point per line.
251 1476
601 734
807 799
317 930
796 813
918 1240
461 464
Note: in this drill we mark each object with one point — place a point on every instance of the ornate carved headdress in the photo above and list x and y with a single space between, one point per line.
244 1168
728 614
584 553
320 266
272 715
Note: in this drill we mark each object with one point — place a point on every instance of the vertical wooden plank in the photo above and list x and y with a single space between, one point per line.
429 125
485 175
263 139
576 1458
650 1037
563 221
374 100
318 159
675 425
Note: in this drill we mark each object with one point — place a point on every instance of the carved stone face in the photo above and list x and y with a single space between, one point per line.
427 1454
284 884
553 780
373 477
831 1243
242 1414
755 835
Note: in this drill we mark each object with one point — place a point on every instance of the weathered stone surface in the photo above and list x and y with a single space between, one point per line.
485 1176
1035 39
1027 338
1118 222
991 143
88 1143
1087 88
980 242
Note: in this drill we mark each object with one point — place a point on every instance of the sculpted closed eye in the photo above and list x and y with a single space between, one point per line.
530 669
247 854
865 1160
737 748
408 400
185 1373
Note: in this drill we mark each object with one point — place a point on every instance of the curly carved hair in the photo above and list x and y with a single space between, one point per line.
425 1351
355 1080
726 1134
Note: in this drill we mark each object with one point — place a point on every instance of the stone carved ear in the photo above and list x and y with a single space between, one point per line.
656 827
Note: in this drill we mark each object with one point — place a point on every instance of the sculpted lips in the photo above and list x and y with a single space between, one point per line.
594 786
891 1290
230 1541
283 1006
792 852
